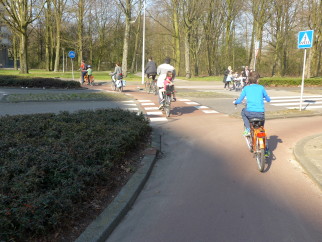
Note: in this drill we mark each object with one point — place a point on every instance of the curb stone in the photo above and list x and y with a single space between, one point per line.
303 157
101 228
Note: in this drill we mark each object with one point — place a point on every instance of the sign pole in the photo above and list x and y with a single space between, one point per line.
72 68
302 85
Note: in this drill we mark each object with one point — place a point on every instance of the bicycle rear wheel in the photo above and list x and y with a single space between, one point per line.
167 105
260 156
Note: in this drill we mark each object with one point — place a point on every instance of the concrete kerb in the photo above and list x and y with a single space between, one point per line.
100 229
302 156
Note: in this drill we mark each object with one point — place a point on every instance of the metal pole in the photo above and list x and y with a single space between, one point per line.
63 60
143 43
72 68
302 85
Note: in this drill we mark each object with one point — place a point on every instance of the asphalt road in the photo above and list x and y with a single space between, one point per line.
206 186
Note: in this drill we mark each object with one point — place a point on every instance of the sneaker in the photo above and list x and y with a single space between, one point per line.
174 99
246 132
267 153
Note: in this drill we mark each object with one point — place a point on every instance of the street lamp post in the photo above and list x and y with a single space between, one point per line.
143 43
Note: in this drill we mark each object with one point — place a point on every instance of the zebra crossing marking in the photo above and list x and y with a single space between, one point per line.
154 113
293 102
209 111
192 103
147 104
151 108
158 119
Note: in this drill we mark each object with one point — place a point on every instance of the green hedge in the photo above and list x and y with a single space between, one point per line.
23 81
50 162
287 82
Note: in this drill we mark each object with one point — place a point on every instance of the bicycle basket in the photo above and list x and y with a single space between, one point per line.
169 89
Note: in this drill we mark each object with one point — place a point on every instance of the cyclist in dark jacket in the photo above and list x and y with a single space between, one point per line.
151 69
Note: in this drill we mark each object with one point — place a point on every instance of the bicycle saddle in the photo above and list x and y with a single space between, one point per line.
256 119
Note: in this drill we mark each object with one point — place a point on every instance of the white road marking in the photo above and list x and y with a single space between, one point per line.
184 100
191 103
209 111
158 119
144 101
151 108
147 104
201 107
154 113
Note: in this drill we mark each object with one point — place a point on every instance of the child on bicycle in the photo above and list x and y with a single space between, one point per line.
167 84
255 94
89 75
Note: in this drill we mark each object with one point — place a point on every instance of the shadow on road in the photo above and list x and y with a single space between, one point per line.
182 110
273 140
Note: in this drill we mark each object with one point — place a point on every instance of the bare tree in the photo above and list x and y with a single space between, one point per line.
126 8
283 20
19 15
314 20
59 6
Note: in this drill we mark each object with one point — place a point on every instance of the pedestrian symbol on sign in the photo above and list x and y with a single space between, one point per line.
305 40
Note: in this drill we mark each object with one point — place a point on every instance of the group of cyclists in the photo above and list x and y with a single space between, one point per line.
252 91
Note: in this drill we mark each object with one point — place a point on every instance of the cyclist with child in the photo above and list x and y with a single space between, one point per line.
162 71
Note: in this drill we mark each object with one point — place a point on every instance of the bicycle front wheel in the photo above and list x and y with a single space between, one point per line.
260 156
113 86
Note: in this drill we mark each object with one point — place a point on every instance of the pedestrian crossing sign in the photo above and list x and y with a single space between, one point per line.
305 39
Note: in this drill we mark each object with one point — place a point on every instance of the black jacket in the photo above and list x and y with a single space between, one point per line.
151 68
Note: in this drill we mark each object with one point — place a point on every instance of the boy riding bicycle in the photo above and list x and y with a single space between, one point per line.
255 104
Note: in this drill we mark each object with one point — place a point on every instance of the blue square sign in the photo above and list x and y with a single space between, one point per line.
305 39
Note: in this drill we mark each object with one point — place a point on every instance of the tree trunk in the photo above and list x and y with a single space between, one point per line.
187 53
80 29
127 12
23 53
58 33
176 38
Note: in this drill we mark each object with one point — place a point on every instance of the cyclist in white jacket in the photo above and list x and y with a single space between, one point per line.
162 73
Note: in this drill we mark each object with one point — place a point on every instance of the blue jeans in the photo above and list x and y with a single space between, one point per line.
246 115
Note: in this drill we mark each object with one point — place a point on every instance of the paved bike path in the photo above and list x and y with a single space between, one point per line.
307 152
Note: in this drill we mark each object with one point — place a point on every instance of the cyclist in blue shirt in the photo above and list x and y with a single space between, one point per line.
255 94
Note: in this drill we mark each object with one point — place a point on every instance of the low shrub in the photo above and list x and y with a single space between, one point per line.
23 81
289 82
50 162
